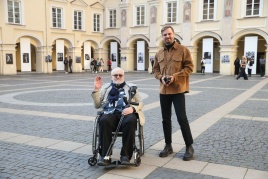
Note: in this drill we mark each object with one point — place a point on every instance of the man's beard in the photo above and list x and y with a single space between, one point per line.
118 82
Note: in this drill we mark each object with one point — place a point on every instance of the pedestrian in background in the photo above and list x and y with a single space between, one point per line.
109 64
152 63
92 65
237 66
71 64
262 66
203 65
243 69
172 67
101 65
250 65
66 63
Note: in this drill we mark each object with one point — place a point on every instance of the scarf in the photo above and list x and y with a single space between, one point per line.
115 91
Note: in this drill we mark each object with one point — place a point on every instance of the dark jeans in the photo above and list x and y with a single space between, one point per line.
249 72
242 73
262 70
178 101
203 69
236 70
108 124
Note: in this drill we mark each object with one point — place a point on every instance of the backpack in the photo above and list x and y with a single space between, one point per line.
202 62
251 63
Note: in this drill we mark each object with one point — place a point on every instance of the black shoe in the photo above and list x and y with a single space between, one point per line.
103 162
167 150
124 160
188 155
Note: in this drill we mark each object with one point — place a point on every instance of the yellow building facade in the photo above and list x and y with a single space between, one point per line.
36 35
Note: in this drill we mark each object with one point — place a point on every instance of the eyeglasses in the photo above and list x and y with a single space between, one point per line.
118 75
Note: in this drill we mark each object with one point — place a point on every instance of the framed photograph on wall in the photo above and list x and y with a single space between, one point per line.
9 58
25 57
60 57
87 57
114 57
78 59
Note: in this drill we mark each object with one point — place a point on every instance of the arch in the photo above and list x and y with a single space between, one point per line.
63 38
38 40
244 32
95 44
109 38
196 38
136 37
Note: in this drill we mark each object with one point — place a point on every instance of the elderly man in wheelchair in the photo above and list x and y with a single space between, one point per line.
121 108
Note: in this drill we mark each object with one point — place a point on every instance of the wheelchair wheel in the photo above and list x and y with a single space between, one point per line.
95 139
137 161
92 161
141 140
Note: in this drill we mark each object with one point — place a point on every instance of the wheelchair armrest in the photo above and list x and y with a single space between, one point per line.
99 112
134 103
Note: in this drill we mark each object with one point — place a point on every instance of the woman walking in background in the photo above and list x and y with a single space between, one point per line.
237 66
243 68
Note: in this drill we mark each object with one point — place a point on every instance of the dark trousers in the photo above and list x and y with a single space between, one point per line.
236 70
178 101
262 70
66 67
203 69
71 68
242 73
109 68
108 124
249 72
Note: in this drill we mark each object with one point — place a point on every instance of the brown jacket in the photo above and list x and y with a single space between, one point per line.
176 62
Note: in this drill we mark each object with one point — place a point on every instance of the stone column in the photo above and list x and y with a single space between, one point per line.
193 51
266 57
42 66
231 51
8 69
127 65
75 52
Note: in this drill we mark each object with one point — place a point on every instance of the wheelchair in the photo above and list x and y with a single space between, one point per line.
137 151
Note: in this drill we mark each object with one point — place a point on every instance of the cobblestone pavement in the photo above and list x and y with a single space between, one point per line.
46 126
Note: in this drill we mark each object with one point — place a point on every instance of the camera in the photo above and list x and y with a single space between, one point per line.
167 80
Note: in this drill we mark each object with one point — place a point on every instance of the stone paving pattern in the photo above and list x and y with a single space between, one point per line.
232 142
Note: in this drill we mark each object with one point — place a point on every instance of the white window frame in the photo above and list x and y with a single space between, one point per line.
111 21
99 15
214 10
135 15
20 4
252 8
62 17
165 19
75 16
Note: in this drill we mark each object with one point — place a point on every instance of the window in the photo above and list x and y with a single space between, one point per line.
78 20
171 12
253 7
208 9
96 22
140 15
14 14
112 18
56 17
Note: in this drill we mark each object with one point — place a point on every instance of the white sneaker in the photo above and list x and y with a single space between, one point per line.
263 77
